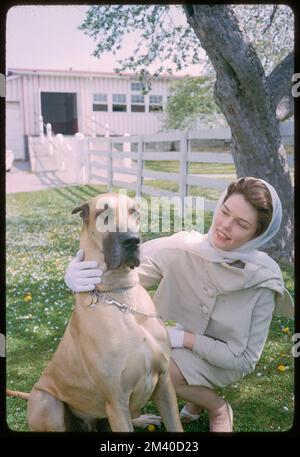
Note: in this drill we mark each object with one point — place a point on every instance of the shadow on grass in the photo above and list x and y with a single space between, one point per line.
78 194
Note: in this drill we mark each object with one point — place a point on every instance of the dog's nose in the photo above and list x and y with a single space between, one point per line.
131 240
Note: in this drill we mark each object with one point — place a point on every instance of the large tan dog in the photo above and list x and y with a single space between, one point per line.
114 355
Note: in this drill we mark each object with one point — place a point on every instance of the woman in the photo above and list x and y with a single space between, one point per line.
219 289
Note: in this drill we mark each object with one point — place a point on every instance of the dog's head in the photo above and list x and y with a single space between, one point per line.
111 224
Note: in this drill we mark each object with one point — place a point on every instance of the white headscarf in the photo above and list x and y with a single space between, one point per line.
247 252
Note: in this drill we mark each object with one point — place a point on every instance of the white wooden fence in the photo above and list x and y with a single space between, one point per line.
103 154
120 161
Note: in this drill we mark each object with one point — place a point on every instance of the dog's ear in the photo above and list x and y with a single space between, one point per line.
85 210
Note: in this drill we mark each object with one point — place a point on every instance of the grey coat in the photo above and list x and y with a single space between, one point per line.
229 309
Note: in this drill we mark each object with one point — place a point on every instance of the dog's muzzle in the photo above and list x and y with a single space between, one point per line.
122 249
131 249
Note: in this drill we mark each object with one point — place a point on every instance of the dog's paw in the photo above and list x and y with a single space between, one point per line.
146 419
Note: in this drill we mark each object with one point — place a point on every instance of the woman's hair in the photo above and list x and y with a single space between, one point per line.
257 194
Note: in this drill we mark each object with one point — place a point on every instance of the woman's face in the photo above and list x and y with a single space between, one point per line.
235 223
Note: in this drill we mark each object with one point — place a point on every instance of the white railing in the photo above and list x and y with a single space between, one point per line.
115 162
103 168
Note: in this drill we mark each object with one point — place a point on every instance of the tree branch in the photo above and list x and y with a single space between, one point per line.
280 86
275 9
235 61
285 108
228 52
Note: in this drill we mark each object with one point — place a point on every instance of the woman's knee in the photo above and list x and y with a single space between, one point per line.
177 377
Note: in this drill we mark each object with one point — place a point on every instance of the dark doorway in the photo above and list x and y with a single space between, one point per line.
60 109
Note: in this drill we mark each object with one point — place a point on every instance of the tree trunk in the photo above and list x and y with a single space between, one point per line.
242 92
280 86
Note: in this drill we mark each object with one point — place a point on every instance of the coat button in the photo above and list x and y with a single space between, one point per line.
210 292
205 309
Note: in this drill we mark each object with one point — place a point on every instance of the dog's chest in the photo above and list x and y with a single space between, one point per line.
148 359
146 377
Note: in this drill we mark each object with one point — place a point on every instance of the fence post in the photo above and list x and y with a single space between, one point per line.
87 161
49 138
88 166
93 127
127 148
140 166
109 160
41 129
60 153
183 191
31 154
109 165
80 153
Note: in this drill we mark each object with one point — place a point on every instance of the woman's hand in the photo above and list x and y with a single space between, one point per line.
179 338
189 340
82 276
176 337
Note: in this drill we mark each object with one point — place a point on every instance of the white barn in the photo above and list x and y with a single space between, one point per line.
78 101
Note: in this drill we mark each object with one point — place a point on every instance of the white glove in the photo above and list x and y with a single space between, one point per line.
82 276
176 335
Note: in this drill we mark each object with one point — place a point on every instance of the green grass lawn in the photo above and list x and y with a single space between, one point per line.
173 166
42 235
172 186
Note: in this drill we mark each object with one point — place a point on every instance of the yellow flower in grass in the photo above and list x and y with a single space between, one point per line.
28 297
151 428
286 330
281 368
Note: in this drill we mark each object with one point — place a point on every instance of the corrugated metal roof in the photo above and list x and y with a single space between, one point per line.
12 76
71 72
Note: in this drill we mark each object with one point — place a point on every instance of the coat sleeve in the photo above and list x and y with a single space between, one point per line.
156 258
151 269
218 353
